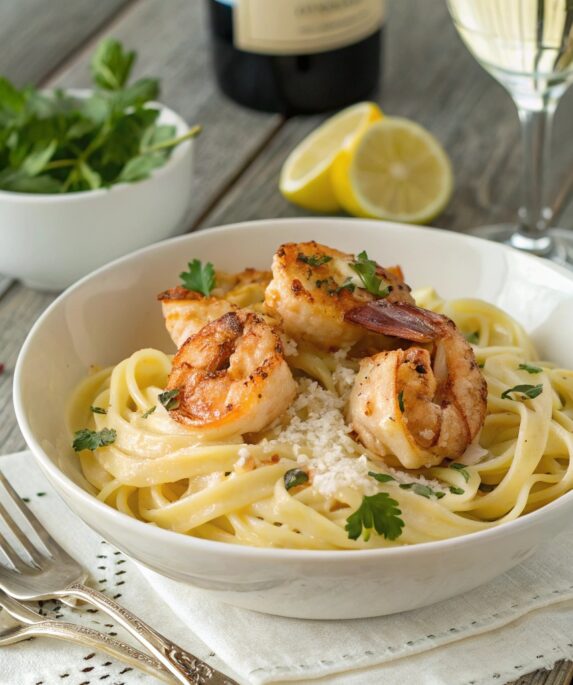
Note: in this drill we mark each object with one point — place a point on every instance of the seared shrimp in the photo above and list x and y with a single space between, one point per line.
186 311
419 405
314 286
232 377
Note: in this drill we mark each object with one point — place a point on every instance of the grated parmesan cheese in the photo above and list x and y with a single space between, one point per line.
320 438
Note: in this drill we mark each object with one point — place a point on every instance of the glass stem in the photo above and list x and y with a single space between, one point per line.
534 214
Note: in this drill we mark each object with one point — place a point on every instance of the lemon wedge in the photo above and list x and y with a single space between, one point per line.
394 170
306 175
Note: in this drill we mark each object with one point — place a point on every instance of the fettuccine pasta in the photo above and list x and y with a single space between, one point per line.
236 490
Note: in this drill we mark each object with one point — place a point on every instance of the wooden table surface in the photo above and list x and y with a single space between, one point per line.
428 76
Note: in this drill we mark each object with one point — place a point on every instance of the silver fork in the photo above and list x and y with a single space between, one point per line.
53 573
31 624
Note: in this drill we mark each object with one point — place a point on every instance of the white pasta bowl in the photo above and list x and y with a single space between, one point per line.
51 240
113 312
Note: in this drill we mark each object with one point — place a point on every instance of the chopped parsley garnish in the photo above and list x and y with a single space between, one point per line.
380 512
473 338
200 278
462 469
439 494
456 491
529 368
98 410
401 400
347 285
419 489
295 477
169 399
366 270
527 391
314 260
86 439
381 477
148 412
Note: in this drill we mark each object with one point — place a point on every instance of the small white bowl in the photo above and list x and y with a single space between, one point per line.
113 312
49 241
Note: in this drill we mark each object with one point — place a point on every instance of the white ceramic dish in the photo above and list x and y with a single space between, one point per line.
109 314
49 241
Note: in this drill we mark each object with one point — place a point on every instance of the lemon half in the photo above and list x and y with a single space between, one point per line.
394 170
306 175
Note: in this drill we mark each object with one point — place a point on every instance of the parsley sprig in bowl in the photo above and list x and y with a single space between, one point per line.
60 142
88 176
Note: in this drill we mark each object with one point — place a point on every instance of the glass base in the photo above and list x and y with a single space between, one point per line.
556 244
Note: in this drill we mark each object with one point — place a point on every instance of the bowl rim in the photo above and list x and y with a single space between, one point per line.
179 152
160 535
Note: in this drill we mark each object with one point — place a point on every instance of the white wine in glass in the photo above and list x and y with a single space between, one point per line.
527 45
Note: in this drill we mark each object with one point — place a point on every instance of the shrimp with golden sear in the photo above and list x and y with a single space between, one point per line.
418 404
232 377
313 286
187 311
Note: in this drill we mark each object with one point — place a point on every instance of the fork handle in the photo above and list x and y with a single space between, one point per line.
185 667
83 635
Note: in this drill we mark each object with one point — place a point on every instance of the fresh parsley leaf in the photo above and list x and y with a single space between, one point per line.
86 439
401 400
528 391
366 270
462 469
381 477
87 174
56 142
98 410
473 338
137 94
314 260
418 488
18 182
111 65
169 399
12 100
295 477
378 511
456 491
41 154
529 368
200 278
439 494
148 412
347 285
140 167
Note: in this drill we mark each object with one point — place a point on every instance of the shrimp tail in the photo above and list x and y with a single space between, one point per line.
399 320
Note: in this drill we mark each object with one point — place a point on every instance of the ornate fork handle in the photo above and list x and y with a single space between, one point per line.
185 667
91 638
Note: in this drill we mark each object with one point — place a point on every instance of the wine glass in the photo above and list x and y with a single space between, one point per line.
527 45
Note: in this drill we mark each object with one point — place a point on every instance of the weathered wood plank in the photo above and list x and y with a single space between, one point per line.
19 309
35 38
562 674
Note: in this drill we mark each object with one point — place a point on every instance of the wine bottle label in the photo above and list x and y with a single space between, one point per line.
287 27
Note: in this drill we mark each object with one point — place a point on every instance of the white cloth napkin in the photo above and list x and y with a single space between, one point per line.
517 623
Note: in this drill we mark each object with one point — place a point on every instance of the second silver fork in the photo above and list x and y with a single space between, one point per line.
53 573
